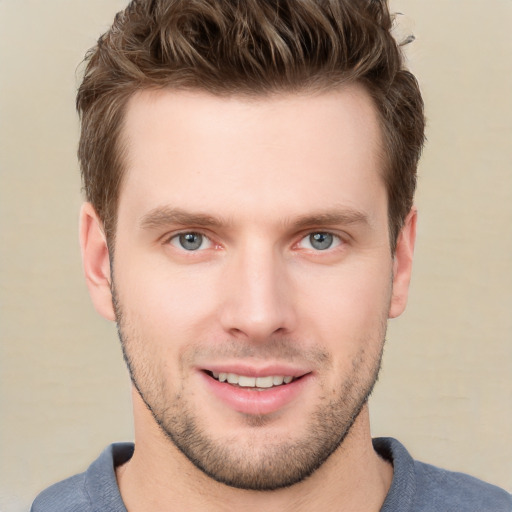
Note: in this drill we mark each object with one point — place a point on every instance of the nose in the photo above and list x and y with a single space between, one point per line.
258 296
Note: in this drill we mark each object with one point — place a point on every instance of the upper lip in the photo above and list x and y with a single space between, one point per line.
250 370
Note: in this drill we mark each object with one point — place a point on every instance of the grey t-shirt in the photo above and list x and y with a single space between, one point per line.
416 487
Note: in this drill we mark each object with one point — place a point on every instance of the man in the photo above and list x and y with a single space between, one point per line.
250 170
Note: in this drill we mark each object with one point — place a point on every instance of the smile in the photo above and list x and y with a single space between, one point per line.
245 381
249 393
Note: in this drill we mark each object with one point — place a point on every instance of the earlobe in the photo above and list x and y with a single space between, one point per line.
96 261
402 265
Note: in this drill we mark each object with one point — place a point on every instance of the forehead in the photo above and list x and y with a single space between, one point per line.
275 155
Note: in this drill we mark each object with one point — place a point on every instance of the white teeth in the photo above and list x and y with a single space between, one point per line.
246 382
264 382
252 382
277 380
232 378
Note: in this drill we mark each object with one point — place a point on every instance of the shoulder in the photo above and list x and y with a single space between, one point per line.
69 495
94 490
453 491
421 487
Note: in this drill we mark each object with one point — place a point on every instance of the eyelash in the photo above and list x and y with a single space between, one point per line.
176 237
337 240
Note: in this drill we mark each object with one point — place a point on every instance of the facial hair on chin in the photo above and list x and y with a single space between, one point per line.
261 463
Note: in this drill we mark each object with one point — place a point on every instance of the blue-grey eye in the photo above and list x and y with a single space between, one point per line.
321 241
190 241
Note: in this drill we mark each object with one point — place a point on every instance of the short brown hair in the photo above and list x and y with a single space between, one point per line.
256 47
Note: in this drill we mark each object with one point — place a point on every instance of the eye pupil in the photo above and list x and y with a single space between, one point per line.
321 241
191 241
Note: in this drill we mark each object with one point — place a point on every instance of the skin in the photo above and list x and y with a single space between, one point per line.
270 172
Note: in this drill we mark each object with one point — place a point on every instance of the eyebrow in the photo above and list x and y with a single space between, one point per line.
344 217
165 216
162 216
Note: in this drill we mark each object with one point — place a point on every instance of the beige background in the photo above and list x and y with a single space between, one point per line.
446 386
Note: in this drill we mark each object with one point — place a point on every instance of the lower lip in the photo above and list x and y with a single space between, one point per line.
251 401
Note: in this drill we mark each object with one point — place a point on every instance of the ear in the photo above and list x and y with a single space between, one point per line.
96 261
402 264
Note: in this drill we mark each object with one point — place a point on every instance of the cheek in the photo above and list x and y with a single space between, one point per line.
165 314
346 297
347 315
170 296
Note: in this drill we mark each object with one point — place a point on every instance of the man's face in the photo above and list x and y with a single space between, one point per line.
252 245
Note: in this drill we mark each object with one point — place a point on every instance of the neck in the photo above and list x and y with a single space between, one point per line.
353 478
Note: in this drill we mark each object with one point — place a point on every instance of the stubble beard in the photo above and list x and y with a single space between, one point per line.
262 463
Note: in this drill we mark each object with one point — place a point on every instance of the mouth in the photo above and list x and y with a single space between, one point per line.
256 391
256 383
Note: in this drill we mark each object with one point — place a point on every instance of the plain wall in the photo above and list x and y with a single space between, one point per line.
446 385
